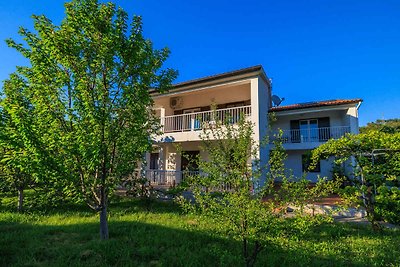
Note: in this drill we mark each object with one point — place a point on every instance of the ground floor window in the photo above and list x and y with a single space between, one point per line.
306 162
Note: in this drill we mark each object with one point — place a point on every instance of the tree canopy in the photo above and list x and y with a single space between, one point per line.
388 126
87 93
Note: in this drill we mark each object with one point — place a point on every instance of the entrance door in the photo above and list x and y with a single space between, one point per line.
154 173
154 157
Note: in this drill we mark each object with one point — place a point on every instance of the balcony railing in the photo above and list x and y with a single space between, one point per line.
170 178
313 134
167 177
198 120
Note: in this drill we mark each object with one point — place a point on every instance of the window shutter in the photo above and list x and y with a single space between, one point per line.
324 131
295 131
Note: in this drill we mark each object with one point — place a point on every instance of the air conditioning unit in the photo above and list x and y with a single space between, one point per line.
175 102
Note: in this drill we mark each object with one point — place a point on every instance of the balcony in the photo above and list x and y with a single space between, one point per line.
313 135
196 121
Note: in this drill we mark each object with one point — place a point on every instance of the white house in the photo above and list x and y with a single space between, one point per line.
185 109
307 125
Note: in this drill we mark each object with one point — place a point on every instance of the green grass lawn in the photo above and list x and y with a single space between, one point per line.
163 236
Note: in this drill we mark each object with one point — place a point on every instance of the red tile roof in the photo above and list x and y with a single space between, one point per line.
325 103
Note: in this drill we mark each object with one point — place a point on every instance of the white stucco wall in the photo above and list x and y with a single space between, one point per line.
261 92
336 118
218 95
293 165
352 119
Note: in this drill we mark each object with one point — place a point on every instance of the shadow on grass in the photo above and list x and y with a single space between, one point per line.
130 205
142 244
117 204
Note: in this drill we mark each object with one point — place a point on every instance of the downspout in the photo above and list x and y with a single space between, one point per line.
357 107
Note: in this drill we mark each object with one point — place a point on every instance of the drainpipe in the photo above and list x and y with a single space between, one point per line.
358 105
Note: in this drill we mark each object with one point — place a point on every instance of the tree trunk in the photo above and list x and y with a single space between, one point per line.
245 253
370 208
20 199
103 223
103 202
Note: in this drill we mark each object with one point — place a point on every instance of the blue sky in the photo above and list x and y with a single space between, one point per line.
313 50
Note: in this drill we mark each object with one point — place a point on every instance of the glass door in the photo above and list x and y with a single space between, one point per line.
309 130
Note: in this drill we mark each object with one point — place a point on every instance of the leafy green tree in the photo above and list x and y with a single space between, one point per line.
224 191
230 190
16 163
87 87
21 146
375 157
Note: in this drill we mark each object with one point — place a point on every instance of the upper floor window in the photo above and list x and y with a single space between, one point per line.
309 130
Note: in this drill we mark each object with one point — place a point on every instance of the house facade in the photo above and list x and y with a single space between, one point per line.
190 106
308 125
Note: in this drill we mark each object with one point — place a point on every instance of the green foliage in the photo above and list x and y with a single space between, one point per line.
303 195
277 157
387 126
87 95
376 157
228 189
17 164
388 203
165 237
234 191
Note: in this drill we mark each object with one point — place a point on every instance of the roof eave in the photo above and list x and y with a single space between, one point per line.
333 106
236 75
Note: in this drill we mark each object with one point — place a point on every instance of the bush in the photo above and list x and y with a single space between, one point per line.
388 204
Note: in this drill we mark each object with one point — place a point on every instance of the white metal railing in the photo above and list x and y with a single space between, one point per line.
197 120
167 177
171 178
313 134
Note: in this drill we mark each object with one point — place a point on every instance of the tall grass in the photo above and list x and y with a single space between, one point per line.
160 235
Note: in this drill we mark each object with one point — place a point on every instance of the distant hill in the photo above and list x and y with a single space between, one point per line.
388 126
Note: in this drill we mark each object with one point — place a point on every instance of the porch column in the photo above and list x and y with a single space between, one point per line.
162 118
260 104
162 157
